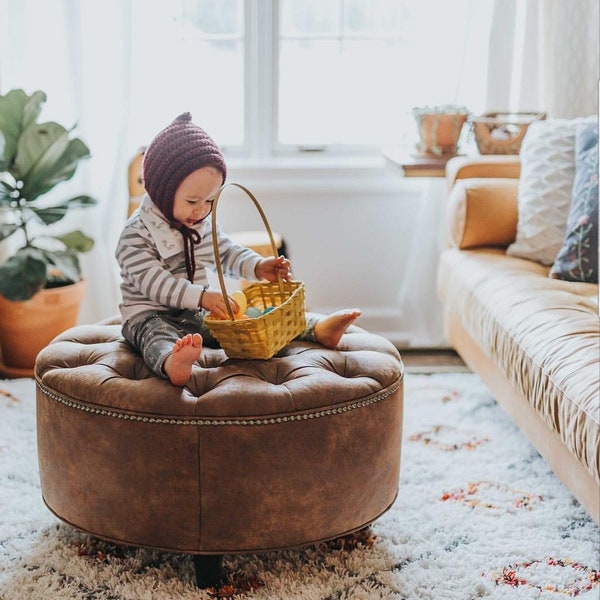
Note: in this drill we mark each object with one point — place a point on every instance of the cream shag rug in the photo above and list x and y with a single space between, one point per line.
478 515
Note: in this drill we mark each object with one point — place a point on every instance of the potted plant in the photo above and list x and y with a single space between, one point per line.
34 158
439 129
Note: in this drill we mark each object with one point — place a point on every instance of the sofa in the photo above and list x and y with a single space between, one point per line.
528 330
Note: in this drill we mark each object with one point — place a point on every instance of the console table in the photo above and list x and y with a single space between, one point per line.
417 166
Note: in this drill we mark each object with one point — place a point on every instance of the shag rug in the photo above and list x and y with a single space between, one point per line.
478 515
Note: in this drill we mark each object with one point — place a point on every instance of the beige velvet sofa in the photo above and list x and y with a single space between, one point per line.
535 341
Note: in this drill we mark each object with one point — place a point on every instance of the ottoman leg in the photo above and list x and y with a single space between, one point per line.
208 569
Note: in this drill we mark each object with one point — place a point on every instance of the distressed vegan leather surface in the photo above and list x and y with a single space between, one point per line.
250 456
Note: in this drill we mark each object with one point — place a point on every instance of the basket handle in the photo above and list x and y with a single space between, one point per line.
216 245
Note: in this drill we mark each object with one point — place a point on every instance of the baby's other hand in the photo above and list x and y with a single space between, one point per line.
214 302
270 268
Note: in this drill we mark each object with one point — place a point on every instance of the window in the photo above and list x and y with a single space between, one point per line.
285 77
190 55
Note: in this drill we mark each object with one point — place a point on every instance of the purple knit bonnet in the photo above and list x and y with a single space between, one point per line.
177 151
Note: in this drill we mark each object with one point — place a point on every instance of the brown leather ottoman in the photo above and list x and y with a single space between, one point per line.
251 456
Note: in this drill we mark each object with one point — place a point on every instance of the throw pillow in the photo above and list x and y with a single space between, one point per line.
545 186
578 257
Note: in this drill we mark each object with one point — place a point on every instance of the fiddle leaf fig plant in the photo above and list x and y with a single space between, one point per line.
34 158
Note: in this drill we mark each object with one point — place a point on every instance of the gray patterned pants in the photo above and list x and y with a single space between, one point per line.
153 333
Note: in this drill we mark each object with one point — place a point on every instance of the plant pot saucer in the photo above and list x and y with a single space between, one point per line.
14 372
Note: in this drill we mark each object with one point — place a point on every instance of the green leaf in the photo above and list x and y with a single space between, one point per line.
67 163
52 214
23 274
63 266
49 215
56 163
76 241
36 141
6 195
7 229
3 152
17 112
33 108
82 201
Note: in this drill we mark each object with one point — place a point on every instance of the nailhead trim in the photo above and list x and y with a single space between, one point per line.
224 421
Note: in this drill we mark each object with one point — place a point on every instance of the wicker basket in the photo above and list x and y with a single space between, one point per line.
259 337
502 133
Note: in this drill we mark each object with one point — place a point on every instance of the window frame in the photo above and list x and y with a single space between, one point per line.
260 60
261 102
261 84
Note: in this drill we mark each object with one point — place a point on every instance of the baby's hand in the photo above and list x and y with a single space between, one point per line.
214 302
270 268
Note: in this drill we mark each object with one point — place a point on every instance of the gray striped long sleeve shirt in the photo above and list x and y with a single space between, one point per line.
151 257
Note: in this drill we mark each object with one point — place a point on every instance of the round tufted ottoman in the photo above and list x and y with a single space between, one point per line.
250 456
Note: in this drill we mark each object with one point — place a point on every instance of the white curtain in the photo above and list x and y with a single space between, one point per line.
570 58
544 56
78 53
421 312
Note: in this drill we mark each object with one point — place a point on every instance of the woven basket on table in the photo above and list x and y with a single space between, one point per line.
502 133
259 337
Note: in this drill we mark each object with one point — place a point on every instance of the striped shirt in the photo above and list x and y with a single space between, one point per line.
151 256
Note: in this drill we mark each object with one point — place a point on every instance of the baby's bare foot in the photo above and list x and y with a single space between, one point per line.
329 330
186 351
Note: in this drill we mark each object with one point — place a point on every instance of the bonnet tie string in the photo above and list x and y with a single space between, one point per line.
190 238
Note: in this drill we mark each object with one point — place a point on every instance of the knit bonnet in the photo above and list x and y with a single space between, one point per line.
177 151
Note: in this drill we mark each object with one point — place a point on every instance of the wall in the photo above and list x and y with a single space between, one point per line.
352 233
358 236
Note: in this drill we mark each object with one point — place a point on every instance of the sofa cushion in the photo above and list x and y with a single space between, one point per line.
578 257
544 197
482 212
543 333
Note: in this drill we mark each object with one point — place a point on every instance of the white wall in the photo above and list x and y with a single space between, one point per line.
349 232
357 236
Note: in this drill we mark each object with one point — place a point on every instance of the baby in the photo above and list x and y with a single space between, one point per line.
166 246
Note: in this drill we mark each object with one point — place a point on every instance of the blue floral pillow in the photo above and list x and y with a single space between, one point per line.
578 257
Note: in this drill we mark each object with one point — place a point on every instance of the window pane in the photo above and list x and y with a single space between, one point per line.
189 56
214 16
374 17
309 17
357 84
333 97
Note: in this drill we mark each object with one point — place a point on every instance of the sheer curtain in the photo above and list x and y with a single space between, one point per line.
570 58
78 53
543 56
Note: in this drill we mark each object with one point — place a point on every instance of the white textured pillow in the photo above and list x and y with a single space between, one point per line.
544 197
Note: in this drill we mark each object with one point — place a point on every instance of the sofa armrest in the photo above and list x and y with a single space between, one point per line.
464 167
482 212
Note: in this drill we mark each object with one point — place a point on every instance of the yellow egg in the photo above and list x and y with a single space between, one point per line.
240 298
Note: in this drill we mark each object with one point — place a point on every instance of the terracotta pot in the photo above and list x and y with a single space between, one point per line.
30 325
439 133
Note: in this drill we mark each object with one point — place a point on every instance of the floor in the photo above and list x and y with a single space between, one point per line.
432 361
